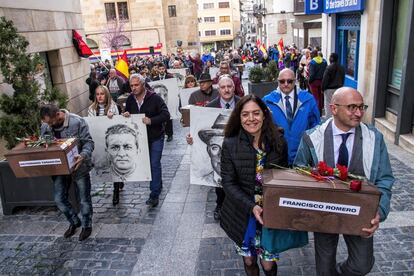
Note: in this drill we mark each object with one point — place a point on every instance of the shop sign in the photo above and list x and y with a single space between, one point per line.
314 6
337 6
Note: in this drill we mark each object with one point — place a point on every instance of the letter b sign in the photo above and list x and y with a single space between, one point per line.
313 6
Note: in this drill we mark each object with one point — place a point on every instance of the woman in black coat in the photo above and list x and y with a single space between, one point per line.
252 142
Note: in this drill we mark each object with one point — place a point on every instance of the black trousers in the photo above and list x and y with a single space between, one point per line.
360 255
169 128
220 196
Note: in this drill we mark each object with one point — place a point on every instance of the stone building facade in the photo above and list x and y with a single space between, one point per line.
141 23
48 25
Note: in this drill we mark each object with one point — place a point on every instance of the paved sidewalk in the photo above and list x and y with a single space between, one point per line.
180 236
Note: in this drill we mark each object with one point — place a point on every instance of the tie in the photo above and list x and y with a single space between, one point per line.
343 151
227 105
289 112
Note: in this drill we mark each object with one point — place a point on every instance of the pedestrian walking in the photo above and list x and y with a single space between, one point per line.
59 123
144 101
333 78
103 105
345 140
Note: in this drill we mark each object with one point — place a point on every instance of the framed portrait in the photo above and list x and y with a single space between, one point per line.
207 129
213 71
121 148
180 75
168 90
185 94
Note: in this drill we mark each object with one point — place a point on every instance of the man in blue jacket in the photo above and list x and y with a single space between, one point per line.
294 111
345 140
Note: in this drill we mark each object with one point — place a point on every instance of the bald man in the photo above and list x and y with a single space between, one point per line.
295 111
345 140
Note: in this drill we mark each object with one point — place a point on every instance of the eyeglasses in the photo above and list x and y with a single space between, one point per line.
354 107
286 81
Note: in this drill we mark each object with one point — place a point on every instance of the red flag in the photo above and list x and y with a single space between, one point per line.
80 45
258 43
280 46
122 66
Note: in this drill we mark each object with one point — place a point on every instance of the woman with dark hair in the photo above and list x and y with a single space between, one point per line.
252 142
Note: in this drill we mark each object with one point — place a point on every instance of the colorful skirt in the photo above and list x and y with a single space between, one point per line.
251 246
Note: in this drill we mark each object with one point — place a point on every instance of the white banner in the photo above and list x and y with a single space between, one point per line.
319 206
44 162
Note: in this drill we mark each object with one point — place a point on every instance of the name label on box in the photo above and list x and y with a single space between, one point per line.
319 206
44 162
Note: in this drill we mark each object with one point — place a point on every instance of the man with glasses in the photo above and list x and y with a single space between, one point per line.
295 111
225 70
345 140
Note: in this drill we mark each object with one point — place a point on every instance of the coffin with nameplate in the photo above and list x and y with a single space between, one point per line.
56 159
300 202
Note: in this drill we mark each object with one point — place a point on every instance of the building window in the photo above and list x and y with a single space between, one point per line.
172 12
192 43
223 5
110 11
209 19
92 43
120 12
225 32
210 32
208 6
224 18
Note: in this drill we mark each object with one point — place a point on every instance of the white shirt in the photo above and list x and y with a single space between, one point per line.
337 141
291 99
223 103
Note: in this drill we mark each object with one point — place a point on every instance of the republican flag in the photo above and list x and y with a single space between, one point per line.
122 67
280 46
263 50
80 45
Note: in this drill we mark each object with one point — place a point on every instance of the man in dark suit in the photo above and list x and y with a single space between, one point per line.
346 141
226 100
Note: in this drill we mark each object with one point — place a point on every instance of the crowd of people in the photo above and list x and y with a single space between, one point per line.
283 128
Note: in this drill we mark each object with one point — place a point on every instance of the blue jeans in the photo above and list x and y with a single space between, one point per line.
83 194
155 150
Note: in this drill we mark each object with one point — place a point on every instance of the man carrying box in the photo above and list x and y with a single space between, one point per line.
346 141
62 124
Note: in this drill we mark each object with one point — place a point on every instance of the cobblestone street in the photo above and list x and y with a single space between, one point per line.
180 236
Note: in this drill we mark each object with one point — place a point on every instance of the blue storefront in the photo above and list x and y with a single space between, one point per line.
347 31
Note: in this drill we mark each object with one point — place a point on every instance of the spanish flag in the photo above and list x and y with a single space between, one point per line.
121 66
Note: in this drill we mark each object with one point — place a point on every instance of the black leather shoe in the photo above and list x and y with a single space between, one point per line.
169 138
216 213
86 232
152 202
115 197
71 230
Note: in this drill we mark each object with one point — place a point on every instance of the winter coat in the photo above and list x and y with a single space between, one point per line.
305 117
238 173
154 108
375 159
333 77
317 67
75 126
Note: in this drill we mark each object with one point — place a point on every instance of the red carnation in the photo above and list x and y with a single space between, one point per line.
324 169
355 185
343 172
